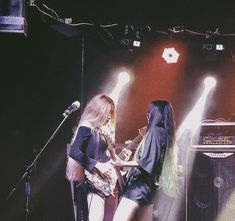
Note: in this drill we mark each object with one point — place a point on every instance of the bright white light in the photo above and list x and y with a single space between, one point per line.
219 47
209 82
191 124
193 119
123 79
170 55
136 43
228 209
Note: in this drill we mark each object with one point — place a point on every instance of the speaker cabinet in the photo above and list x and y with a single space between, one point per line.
12 16
210 184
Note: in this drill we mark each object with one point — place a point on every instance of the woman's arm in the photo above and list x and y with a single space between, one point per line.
77 151
122 163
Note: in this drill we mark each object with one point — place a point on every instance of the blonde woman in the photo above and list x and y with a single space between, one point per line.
89 160
154 166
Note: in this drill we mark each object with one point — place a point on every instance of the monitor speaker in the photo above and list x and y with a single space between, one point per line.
12 16
210 185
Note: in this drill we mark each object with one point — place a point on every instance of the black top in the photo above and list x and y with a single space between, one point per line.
88 148
141 181
152 155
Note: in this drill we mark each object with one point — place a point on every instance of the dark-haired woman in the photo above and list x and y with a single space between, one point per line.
154 166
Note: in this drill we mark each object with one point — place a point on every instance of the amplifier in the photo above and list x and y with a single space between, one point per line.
214 134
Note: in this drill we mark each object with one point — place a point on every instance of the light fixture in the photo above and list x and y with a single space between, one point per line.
213 46
131 38
123 78
209 82
170 55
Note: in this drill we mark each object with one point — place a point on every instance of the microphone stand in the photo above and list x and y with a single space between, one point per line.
27 194
30 168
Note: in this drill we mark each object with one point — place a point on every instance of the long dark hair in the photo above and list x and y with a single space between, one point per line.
160 114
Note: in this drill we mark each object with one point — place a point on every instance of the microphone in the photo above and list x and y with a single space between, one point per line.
73 107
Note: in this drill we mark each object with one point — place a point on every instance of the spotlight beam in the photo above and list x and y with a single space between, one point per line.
191 124
123 79
193 119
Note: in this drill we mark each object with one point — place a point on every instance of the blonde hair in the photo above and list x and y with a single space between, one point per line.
169 177
99 112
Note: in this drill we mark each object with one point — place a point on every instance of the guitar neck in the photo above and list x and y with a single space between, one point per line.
134 142
130 146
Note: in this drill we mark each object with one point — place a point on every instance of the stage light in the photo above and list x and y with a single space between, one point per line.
193 119
131 38
209 82
170 55
219 47
213 47
123 79
136 43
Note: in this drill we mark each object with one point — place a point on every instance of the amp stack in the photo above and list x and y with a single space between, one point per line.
210 173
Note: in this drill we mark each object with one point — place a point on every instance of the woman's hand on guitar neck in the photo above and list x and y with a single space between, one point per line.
142 131
118 162
125 154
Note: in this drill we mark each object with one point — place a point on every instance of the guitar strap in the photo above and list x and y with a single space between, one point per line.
110 148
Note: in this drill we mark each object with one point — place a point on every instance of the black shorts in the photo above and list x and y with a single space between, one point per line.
140 187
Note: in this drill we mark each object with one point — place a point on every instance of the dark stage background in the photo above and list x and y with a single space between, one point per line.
41 75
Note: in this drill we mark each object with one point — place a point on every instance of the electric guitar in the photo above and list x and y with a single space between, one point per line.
107 185
130 147
104 184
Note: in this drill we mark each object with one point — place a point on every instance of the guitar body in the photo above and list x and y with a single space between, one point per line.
105 185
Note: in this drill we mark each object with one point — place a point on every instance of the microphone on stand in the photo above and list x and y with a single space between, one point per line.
73 107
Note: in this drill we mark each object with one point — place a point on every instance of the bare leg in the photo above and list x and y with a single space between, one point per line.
126 210
145 213
111 203
95 207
